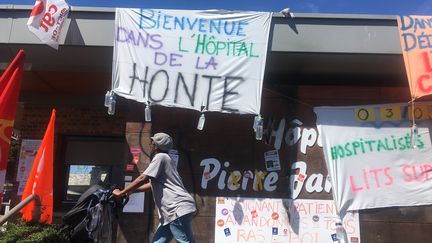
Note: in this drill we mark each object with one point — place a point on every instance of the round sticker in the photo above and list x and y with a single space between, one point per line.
275 216
220 222
224 211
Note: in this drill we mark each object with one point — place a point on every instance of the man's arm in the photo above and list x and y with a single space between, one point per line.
144 188
134 185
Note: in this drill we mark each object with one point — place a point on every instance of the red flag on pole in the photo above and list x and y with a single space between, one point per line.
10 85
40 180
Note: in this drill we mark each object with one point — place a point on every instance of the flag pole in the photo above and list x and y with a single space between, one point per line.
17 208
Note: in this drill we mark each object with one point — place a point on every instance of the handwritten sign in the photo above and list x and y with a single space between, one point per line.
280 220
376 164
235 180
415 35
191 59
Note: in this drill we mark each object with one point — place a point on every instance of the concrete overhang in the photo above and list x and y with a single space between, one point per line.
305 49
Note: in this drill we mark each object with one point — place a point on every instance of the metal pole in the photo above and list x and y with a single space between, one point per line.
17 208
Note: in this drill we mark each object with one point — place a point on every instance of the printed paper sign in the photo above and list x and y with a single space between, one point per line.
415 34
241 220
135 203
377 162
21 187
191 59
29 148
272 160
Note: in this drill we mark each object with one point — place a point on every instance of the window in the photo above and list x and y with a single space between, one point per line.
81 177
86 161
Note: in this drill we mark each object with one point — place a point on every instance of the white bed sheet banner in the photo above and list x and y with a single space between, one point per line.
370 157
265 220
190 59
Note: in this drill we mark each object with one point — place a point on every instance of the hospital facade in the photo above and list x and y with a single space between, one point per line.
312 60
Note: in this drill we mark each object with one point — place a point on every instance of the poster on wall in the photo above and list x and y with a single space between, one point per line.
29 148
265 220
135 203
374 157
272 160
210 60
415 33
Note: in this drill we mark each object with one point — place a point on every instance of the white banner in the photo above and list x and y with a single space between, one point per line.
373 156
46 20
263 220
191 59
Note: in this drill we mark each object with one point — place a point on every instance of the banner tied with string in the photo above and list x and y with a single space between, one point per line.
373 158
191 59
415 34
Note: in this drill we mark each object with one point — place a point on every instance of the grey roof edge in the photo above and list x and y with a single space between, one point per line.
73 8
338 16
275 14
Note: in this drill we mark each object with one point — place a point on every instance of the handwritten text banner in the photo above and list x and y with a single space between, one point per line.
377 162
191 59
416 39
242 220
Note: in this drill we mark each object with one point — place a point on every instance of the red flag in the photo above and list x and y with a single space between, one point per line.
40 180
10 84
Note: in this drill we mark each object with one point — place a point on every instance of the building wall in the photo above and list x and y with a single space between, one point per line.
86 121
231 138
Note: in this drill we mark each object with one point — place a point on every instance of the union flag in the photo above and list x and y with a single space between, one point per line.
10 85
40 180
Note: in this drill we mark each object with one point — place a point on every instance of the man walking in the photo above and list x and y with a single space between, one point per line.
175 205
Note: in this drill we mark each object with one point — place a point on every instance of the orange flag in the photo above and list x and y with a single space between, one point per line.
10 84
40 180
415 33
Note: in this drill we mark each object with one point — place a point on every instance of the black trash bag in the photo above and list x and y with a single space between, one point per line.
99 225
90 220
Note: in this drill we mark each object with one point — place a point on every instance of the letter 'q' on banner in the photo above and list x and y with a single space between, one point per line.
46 20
